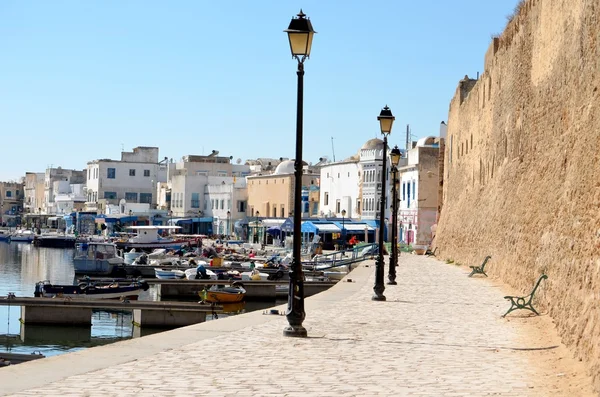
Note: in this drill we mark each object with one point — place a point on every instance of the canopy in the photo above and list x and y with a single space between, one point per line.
288 226
274 231
356 227
328 228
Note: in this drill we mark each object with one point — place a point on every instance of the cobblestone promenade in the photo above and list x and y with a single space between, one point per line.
439 333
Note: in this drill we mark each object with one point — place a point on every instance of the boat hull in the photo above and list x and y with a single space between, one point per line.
223 295
90 291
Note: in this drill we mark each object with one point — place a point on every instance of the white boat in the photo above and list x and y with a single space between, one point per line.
169 274
195 273
22 235
96 258
147 238
254 275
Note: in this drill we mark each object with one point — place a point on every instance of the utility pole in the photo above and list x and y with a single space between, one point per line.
408 138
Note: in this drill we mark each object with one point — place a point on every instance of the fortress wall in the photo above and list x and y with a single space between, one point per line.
522 166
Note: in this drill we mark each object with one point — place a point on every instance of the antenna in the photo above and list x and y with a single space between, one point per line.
332 149
122 147
407 138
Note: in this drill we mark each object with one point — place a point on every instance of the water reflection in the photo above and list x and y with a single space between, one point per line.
23 265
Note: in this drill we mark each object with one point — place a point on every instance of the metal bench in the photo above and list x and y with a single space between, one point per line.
429 252
524 302
481 268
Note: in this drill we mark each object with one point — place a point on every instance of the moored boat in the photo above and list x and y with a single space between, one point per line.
4 235
169 274
97 258
55 240
22 236
223 294
147 239
92 290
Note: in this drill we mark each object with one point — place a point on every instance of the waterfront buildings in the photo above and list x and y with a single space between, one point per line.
11 203
134 178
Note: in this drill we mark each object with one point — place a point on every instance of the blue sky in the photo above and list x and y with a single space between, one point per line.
80 80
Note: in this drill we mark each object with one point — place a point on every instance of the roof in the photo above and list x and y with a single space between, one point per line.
374 143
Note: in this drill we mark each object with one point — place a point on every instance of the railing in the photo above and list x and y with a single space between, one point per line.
342 258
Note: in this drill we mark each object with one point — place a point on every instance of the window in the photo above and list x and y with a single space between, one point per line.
17 193
8 193
195 200
403 191
282 211
222 204
146 198
228 204
111 173
131 197
338 175
212 204
241 206
110 195
205 205
147 173
326 201
131 172
358 206
414 189
337 206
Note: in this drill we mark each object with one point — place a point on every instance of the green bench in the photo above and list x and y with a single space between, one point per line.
524 302
481 268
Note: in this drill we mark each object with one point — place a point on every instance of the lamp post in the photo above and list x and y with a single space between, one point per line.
300 34
228 224
256 236
343 230
394 159
386 119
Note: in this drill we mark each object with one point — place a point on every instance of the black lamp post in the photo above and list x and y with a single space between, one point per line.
228 224
395 159
300 34
386 119
343 229
256 233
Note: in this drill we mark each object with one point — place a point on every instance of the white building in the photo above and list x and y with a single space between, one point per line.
134 178
340 188
68 197
371 162
418 193
194 203
225 201
57 182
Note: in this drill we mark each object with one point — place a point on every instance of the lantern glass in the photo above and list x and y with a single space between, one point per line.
300 33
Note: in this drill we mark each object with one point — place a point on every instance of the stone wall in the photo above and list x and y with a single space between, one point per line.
522 166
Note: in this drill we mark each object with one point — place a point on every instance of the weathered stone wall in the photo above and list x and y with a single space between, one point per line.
522 166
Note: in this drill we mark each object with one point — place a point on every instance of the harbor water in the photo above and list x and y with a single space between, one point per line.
22 265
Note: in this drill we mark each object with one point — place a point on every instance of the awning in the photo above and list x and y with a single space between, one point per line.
274 231
328 228
272 221
308 227
357 227
288 226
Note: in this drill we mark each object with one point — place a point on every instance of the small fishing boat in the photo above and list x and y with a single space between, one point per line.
4 235
87 289
8 358
97 258
22 236
200 272
223 294
169 274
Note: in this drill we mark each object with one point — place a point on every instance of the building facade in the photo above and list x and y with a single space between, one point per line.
11 203
134 178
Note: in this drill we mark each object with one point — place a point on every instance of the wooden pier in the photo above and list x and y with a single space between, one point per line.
67 311
257 290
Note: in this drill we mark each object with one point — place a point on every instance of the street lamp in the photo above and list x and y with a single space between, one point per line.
386 119
300 34
256 236
343 230
228 224
394 159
